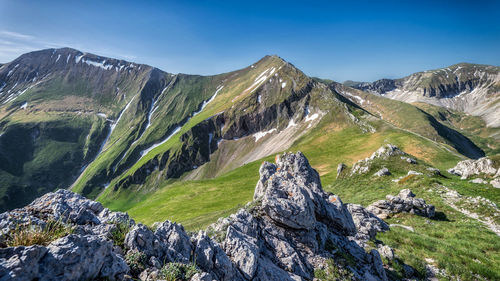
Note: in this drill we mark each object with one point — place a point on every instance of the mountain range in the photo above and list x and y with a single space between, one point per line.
105 127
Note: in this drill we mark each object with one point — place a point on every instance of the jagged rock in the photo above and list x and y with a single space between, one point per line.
291 212
386 252
469 168
291 228
202 277
384 152
340 168
74 257
169 243
478 181
409 159
210 257
367 224
64 206
382 172
404 202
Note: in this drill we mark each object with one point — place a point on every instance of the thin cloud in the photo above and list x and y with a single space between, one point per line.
14 44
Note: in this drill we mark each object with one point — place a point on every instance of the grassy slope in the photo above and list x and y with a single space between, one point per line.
197 204
473 127
462 246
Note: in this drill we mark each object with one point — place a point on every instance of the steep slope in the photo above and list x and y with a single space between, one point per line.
471 88
411 118
58 107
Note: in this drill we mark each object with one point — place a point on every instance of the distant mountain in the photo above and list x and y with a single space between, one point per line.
471 88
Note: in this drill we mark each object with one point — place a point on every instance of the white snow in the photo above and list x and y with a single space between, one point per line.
259 99
78 58
260 135
100 114
24 105
67 59
283 85
291 124
98 64
312 117
205 103
360 99
58 57
178 128
12 70
261 78
146 151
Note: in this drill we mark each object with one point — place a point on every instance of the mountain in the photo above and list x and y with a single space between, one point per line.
110 128
470 88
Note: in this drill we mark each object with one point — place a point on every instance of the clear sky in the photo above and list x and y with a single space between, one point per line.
357 40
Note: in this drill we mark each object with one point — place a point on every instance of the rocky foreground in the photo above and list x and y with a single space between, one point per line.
290 230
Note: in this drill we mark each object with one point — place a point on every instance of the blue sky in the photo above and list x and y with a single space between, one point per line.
357 40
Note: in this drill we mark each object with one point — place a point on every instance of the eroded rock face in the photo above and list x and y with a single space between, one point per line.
468 168
74 257
86 254
405 201
291 228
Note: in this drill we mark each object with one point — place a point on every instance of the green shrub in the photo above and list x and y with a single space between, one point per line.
136 261
27 235
175 271
118 234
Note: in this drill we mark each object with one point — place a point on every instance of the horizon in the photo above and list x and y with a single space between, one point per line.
360 41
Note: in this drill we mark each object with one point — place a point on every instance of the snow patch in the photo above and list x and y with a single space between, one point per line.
12 70
78 58
58 57
291 124
312 117
283 85
100 114
24 105
260 135
102 64
67 59
146 151
259 99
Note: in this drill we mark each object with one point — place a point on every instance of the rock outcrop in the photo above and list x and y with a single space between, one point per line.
405 201
290 229
468 168
384 152
83 256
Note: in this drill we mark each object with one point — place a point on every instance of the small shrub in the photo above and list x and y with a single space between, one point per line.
118 234
175 271
136 261
27 235
332 272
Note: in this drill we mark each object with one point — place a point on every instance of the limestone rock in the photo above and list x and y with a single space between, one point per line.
404 202
468 168
382 172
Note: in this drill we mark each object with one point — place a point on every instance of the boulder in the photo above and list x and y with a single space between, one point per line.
340 168
384 152
405 201
478 181
382 172
495 182
367 224
468 168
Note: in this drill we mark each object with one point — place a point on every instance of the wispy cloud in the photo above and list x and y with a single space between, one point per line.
14 44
